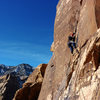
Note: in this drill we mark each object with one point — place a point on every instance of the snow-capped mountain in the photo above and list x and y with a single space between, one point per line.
22 71
19 70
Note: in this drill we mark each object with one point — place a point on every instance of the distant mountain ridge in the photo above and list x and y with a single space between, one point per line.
19 70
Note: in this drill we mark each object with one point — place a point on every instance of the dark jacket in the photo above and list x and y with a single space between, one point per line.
71 38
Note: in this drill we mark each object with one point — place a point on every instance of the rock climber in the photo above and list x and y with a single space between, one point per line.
71 41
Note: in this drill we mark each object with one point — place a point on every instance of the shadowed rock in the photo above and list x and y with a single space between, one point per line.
31 88
9 84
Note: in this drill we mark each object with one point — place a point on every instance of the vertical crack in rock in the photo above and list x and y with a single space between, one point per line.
97 12
81 2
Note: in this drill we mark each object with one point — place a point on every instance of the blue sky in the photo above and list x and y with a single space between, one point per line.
26 31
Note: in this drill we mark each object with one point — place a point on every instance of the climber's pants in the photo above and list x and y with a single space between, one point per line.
72 45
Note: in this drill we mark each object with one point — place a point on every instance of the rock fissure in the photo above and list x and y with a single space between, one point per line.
81 2
97 14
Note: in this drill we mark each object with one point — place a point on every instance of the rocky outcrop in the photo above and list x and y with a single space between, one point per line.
9 84
74 77
31 88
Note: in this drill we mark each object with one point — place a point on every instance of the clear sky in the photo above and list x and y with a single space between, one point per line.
26 31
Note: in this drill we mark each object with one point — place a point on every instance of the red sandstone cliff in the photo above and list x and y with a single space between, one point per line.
74 77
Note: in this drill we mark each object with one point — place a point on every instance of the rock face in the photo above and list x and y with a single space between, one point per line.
8 86
74 77
31 88
85 69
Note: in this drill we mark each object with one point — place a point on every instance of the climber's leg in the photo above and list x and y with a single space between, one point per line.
71 47
74 45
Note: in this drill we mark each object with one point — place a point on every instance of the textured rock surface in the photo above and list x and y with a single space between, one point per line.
85 79
47 85
31 88
9 84
73 77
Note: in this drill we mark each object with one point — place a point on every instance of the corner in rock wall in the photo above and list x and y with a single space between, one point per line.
69 77
42 69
